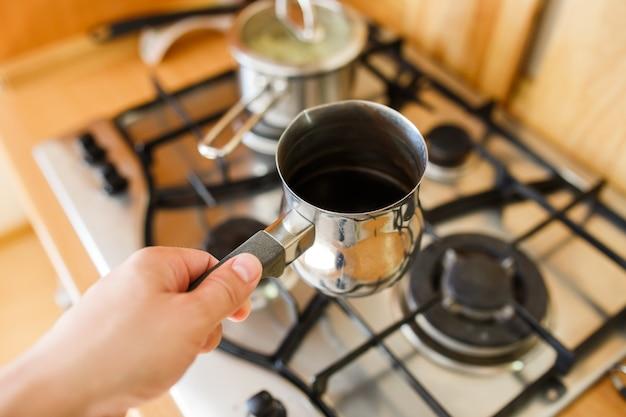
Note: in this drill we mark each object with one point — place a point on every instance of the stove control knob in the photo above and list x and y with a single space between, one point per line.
263 404
92 152
114 182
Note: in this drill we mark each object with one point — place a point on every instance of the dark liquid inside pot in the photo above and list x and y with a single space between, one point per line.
348 190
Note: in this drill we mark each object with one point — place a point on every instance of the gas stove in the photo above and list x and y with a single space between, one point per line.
514 306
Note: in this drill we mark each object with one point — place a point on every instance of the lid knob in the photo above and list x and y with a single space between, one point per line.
300 21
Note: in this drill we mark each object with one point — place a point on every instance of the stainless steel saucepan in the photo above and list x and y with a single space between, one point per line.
351 221
281 74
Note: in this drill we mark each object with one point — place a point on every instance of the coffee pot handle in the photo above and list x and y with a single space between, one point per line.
276 246
263 246
271 91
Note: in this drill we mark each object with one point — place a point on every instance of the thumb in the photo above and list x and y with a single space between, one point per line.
229 286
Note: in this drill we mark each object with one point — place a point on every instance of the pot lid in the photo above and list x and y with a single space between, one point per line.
261 41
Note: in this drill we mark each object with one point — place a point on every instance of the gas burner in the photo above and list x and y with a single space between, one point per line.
479 278
449 151
230 234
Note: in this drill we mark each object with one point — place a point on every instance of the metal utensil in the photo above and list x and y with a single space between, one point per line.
343 242
155 42
112 30
277 90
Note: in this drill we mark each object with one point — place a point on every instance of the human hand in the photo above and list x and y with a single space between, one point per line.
135 332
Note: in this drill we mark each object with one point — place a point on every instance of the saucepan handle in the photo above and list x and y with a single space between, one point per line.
271 91
276 246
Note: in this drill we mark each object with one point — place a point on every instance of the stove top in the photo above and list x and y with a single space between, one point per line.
515 304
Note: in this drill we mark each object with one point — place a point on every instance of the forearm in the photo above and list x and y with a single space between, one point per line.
37 384
28 390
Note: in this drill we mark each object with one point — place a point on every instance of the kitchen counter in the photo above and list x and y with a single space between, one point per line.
69 84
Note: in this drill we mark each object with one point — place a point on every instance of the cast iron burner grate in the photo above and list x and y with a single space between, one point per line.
507 190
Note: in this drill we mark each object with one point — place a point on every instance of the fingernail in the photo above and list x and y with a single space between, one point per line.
245 267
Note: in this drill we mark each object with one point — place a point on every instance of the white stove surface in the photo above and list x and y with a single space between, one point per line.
584 287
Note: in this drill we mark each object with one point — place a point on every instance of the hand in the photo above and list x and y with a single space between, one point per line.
132 335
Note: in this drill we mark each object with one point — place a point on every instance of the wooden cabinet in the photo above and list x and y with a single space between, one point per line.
28 24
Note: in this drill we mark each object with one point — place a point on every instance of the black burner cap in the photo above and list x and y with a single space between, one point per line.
448 145
230 234
478 281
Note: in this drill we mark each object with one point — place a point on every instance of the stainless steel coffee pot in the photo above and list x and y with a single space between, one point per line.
343 229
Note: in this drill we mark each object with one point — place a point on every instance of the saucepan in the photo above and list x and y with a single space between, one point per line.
350 221
283 70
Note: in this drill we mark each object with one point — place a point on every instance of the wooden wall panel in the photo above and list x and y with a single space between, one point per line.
578 96
483 41
27 24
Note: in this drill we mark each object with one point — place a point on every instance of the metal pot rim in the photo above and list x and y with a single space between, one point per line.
307 207
248 58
